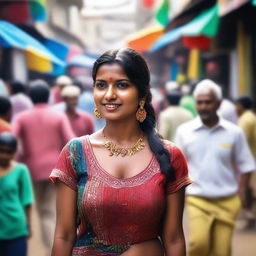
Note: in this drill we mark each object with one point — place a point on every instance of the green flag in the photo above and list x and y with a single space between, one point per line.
162 13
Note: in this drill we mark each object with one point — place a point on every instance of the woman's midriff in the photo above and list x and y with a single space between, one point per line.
149 248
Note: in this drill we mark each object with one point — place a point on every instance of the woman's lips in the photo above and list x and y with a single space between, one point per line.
111 107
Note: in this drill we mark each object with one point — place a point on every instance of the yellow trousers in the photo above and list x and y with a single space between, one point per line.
211 223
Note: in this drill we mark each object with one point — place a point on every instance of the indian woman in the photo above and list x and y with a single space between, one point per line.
120 190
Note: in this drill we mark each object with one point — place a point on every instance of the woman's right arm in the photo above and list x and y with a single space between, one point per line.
65 231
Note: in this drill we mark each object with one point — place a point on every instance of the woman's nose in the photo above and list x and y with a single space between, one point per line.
111 93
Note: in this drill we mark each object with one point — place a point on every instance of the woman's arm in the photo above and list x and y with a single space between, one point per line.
173 236
65 231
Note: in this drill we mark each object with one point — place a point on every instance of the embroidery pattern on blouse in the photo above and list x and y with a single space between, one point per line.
101 174
88 240
94 196
64 177
77 160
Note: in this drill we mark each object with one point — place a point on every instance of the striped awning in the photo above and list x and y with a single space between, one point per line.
144 39
38 57
206 23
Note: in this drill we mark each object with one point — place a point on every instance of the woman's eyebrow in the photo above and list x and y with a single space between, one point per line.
121 80
118 80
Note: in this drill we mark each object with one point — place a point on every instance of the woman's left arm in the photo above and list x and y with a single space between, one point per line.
173 236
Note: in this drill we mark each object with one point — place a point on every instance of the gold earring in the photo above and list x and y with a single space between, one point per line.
97 113
141 113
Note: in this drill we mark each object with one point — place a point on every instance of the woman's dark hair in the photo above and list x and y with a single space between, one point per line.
137 71
7 139
39 92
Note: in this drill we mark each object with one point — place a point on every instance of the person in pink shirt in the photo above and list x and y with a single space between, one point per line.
42 132
81 122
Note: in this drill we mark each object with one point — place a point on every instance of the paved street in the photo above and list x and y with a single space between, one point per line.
244 243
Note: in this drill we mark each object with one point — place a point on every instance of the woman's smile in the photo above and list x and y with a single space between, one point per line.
111 107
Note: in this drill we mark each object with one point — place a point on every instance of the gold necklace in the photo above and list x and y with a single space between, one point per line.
116 151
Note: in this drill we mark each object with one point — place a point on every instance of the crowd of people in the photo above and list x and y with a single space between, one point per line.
120 174
43 119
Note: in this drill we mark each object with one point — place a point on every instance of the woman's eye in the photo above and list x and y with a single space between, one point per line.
122 85
100 85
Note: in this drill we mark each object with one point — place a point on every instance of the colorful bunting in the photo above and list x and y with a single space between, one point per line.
144 39
206 23
163 12
23 11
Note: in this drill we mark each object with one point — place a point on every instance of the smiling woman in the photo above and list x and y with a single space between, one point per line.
114 94
120 182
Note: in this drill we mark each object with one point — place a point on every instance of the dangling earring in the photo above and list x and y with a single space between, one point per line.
97 113
141 113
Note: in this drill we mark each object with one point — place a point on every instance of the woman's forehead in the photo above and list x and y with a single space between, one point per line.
111 70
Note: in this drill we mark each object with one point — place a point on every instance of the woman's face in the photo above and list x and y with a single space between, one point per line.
115 96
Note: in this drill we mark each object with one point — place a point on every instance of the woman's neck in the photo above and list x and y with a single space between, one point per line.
123 132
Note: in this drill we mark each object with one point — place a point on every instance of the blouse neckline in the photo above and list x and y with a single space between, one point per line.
147 170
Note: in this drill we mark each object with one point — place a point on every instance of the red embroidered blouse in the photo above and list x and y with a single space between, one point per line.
115 213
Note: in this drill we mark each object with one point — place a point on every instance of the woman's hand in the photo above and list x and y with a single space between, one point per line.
65 232
173 236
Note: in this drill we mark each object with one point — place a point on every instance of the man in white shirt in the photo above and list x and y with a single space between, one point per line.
219 163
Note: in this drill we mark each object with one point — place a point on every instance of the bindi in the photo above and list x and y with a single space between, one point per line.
110 79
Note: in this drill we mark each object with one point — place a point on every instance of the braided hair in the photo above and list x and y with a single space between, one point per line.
137 71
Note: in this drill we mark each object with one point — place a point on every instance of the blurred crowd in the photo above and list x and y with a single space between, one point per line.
45 117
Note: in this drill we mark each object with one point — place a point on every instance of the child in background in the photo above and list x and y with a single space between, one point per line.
16 197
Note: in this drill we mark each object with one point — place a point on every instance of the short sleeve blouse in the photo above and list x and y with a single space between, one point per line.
115 213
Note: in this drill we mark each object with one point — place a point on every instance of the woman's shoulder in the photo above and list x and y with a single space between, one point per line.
95 139
174 150
76 142
170 145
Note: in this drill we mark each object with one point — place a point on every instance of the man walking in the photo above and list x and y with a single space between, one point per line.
81 122
173 116
216 151
42 133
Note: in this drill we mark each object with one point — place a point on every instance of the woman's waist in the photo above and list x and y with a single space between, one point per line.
124 236
151 247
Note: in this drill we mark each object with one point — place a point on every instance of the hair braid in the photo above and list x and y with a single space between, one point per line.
156 144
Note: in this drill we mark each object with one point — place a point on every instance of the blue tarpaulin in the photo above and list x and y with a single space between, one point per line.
38 57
